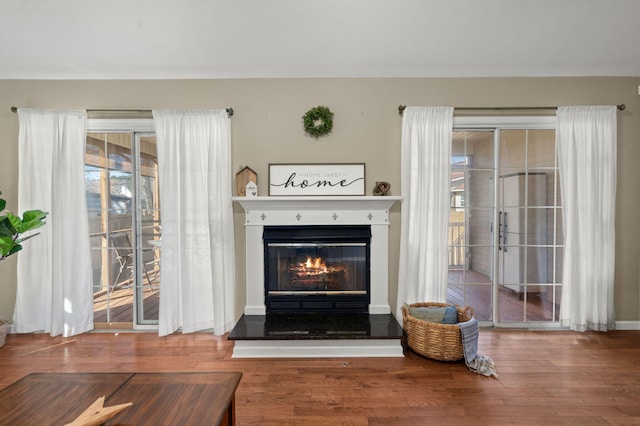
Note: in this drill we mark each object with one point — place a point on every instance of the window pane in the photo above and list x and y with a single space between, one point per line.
541 148
512 150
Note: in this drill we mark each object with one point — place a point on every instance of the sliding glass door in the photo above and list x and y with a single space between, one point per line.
529 227
471 242
121 177
505 236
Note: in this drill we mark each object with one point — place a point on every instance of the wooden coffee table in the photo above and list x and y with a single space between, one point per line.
158 398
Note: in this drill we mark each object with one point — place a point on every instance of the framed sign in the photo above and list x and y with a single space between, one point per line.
316 179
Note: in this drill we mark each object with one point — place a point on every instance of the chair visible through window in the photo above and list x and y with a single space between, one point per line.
124 254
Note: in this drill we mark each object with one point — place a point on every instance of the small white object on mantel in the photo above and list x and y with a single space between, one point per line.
251 190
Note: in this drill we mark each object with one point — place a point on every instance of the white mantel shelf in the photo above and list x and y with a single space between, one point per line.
317 200
316 210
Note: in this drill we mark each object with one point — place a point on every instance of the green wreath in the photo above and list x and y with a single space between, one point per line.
318 121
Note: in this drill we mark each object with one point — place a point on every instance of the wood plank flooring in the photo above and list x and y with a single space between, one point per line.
545 378
119 305
473 288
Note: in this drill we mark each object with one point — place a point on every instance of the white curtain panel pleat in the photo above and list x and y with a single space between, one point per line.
586 141
426 181
54 292
198 255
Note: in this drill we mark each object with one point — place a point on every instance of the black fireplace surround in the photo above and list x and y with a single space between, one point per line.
317 269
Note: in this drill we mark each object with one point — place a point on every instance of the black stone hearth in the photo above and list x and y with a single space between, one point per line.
310 326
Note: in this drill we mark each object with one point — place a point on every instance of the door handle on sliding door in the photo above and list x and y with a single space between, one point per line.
504 230
499 230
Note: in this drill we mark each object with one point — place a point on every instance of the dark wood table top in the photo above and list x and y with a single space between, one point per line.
158 398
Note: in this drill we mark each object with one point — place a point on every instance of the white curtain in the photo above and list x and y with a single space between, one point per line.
426 182
54 269
586 141
197 257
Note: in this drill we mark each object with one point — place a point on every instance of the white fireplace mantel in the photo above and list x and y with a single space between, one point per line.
321 210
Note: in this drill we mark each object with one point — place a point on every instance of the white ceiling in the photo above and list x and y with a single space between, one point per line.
149 39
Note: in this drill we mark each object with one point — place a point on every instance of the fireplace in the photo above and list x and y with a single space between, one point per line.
261 213
317 269
371 331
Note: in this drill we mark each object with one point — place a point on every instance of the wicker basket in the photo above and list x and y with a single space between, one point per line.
442 342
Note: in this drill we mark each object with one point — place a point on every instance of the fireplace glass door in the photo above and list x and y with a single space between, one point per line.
317 268
313 269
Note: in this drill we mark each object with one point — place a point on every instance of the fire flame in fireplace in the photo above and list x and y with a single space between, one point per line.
315 274
313 267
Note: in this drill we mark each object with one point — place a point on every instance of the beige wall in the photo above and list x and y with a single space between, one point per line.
267 128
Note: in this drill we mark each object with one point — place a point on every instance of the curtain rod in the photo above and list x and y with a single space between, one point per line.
401 108
115 111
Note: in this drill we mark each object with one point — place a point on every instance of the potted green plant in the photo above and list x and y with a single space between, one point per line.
15 230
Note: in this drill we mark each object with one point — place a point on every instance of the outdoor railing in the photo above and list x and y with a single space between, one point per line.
456 240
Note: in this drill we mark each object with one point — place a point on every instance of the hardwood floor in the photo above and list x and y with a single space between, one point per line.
545 378
473 288
119 305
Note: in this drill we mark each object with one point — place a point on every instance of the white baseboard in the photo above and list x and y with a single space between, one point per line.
317 348
379 309
255 310
627 325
